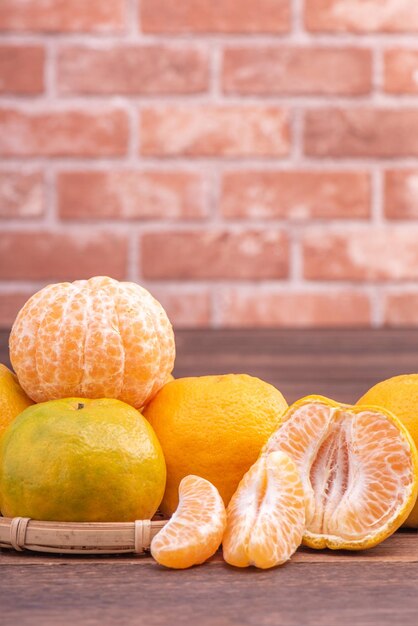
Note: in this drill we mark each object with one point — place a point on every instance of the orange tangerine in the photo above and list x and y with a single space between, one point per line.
194 532
13 399
214 427
358 466
95 338
266 515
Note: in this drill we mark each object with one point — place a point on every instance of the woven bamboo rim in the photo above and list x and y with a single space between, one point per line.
23 533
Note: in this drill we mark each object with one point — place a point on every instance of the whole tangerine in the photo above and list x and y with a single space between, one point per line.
80 460
213 427
13 399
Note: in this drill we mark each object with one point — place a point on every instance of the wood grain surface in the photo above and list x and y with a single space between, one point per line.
317 588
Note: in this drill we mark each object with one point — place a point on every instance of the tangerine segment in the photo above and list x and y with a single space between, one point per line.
359 470
266 515
195 530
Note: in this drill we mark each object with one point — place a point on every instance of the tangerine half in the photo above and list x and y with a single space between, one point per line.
399 395
95 338
194 532
359 469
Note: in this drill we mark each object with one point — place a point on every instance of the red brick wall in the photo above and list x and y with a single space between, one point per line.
253 162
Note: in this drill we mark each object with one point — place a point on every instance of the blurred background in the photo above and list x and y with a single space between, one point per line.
252 162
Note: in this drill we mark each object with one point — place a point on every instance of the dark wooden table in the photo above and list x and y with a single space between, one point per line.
378 587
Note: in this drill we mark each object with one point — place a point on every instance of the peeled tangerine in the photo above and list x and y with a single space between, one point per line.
266 515
95 338
194 532
358 466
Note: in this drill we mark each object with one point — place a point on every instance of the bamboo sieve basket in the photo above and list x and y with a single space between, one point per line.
23 533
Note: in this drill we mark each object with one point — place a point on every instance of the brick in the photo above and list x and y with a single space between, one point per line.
401 309
259 306
21 69
390 16
62 15
361 132
215 254
297 195
185 308
10 305
22 194
401 194
129 194
133 69
215 131
401 71
369 254
206 16
270 70
72 132
43 255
